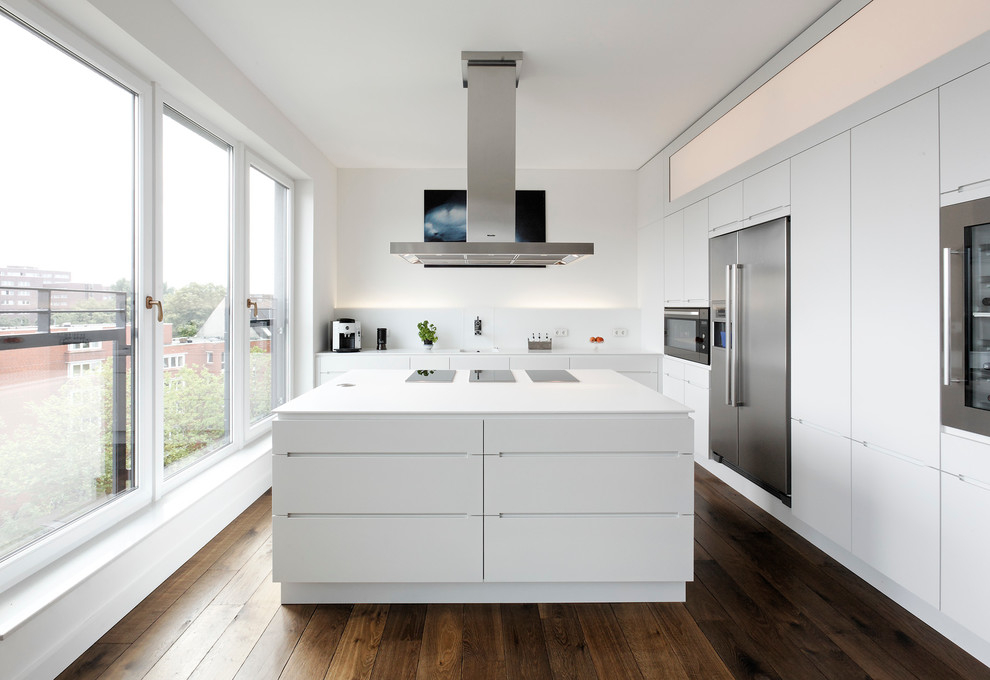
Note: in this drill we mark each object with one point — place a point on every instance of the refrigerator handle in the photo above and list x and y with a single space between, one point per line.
729 341
734 352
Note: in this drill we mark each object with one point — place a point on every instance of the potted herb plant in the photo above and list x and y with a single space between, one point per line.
427 333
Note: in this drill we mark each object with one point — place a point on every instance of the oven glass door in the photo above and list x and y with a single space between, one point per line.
977 322
682 334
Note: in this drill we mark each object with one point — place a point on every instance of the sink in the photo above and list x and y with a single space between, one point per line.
493 350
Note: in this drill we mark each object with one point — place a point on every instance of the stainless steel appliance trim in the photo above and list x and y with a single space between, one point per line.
728 335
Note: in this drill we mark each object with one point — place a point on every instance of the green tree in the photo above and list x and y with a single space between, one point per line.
192 304
85 317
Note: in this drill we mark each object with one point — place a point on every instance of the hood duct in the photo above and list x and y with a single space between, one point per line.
491 179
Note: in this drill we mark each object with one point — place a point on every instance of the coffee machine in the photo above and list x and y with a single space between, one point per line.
345 335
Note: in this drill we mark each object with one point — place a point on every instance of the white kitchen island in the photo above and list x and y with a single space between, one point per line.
390 491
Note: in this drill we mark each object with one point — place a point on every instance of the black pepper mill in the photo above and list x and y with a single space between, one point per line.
382 332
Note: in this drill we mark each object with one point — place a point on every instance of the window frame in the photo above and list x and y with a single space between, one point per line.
47 549
146 334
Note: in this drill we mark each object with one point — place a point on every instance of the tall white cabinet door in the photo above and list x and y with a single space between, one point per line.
965 136
895 281
820 341
650 272
895 528
821 470
966 553
696 397
696 253
673 258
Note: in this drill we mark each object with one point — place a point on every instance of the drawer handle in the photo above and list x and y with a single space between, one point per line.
577 515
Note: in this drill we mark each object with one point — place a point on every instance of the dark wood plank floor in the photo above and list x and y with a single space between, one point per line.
764 604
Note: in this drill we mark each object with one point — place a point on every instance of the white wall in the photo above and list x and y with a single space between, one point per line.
380 206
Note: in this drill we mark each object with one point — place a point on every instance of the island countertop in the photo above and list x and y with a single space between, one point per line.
386 392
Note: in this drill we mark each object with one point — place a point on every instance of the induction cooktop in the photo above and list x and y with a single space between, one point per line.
491 375
555 375
441 376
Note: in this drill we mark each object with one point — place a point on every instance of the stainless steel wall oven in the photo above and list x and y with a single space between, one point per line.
965 241
686 334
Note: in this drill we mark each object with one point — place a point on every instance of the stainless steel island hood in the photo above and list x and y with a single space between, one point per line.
491 179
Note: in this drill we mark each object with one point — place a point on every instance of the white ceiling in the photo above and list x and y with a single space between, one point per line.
604 83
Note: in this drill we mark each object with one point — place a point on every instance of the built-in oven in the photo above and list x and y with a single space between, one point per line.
686 333
965 241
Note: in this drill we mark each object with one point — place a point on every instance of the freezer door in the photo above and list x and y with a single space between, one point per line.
722 422
764 414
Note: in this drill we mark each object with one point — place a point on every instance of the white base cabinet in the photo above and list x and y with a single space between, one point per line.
821 471
966 552
689 383
895 510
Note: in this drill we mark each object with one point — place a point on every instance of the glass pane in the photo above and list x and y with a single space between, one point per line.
267 222
196 233
978 323
66 287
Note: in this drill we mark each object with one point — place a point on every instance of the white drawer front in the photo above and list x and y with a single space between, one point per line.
673 368
617 362
413 435
429 362
697 375
589 548
540 362
402 483
589 435
377 549
560 483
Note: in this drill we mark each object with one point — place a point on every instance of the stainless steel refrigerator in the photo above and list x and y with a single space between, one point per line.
750 380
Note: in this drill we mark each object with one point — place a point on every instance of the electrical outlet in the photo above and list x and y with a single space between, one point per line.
560 332
619 332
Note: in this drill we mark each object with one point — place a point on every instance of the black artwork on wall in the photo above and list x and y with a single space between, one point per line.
445 215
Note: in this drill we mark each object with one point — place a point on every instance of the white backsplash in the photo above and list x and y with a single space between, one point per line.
505 328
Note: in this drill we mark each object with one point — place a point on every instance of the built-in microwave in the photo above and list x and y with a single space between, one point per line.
686 334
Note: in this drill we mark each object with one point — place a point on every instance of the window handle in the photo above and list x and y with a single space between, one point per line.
150 302
251 304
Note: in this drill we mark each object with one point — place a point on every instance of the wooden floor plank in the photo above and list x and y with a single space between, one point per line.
566 646
249 577
312 654
152 644
694 651
226 657
93 662
270 653
358 646
483 650
734 646
443 635
525 649
651 646
185 654
608 647
398 653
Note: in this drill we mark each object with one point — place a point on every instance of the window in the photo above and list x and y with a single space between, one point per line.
196 198
209 357
175 361
53 475
80 346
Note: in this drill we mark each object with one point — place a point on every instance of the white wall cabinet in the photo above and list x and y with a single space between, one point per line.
767 194
895 510
725 208
650 273
673 258
965 137
895 281
820 288
821 471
